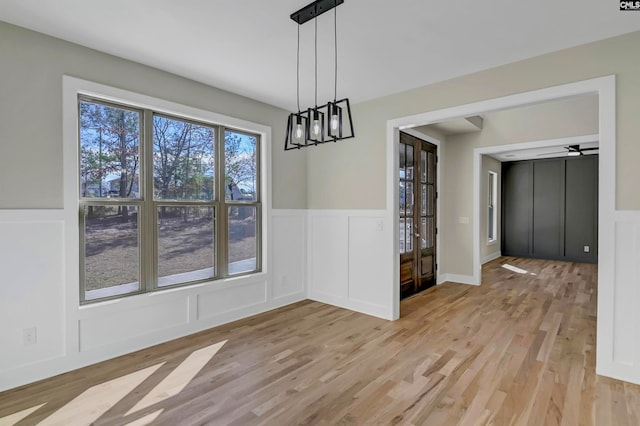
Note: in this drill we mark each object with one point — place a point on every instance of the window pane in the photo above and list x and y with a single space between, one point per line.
111 250
403 159
423 233
240 171
430 167
409 198
403 231
186 249
491 177
423 166
109 151
410 164
429 234
409 235
401 196
491 222
183 160
242 239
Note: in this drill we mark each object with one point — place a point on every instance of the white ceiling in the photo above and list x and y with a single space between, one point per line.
249 46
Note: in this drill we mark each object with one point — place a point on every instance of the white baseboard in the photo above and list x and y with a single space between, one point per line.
460 279
491 257
353 305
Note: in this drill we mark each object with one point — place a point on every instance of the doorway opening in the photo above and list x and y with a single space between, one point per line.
604 88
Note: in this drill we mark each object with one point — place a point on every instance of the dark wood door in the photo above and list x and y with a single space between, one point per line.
417 197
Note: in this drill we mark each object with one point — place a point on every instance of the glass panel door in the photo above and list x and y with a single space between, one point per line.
417 214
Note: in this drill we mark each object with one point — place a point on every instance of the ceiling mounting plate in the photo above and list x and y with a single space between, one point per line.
314 9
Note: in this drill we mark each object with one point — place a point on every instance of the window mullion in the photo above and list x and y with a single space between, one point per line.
223 250
149 228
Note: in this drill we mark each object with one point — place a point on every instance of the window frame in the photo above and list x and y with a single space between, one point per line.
148 206
492 205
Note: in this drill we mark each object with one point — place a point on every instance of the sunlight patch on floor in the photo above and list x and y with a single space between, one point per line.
516 269
179 378
14 418
87 407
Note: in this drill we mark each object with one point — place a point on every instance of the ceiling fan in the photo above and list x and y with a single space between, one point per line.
572 151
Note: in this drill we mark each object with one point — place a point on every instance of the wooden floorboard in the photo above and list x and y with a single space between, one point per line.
518 350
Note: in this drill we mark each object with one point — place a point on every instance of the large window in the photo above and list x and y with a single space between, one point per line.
164 200
492 215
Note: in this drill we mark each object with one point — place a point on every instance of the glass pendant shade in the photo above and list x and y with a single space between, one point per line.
298 135
334 122
296 131
316 125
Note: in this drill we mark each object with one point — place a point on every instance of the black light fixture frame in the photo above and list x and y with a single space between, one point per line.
341 108
314 10
306 118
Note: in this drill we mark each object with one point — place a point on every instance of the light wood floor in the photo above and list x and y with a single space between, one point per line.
520 349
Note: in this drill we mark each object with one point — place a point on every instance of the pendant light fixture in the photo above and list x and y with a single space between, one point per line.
332 121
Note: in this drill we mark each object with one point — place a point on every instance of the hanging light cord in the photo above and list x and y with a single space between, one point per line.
315 20
335 51
298 70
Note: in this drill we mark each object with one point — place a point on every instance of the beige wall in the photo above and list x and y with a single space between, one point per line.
31 70
351 174
569 117
357 168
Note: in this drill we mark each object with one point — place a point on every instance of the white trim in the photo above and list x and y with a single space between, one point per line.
72 87
605 88
350 304
492 256
458 279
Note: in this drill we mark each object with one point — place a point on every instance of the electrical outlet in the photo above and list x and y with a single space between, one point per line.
29 336
586 249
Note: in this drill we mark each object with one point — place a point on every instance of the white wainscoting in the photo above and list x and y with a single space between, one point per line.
37 283
290 253
335 256
31 286
618 313
350 261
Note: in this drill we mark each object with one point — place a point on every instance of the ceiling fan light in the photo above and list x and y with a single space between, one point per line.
573 153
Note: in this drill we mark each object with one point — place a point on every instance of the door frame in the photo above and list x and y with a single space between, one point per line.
605 88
